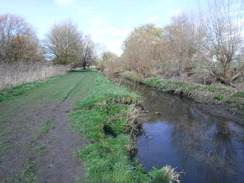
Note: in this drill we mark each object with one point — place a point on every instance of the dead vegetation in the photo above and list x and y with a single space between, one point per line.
17 73
204 48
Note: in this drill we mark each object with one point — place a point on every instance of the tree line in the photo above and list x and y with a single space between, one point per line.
210 43
63 44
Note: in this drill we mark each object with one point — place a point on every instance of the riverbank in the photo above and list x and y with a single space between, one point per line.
229 98
107 117
193 137
37 143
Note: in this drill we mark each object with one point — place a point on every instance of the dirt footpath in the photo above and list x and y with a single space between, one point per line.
37 144
60 164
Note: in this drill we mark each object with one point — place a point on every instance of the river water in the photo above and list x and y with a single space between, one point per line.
207 148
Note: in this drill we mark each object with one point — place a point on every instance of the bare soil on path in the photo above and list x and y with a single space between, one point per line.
37 144
60 163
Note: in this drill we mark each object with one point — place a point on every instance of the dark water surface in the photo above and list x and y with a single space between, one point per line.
207 147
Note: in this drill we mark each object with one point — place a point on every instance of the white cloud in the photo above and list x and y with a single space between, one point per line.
115 46
64 2
110 37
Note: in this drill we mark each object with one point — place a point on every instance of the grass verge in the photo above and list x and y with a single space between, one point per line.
106 116
9 93
57 88
102 117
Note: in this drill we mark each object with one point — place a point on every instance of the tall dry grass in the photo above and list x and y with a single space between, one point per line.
17 73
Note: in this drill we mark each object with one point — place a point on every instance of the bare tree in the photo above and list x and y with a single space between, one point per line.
109 62
63 43
88 52
222 29
182 42
107 59
139 49
18 41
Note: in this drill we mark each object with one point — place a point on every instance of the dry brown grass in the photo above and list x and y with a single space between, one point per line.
14 74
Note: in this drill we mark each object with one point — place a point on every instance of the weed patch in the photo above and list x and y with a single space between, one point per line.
44 129
165 174
28 175
41 150
239 94
219 97
231 101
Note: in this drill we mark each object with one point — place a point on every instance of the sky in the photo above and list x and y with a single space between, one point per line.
108 22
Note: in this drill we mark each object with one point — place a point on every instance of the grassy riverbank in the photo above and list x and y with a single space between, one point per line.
228 96
107 117
102 112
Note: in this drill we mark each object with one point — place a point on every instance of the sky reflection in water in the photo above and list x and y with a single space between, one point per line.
206 147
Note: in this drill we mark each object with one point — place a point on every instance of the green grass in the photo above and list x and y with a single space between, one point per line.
164 175
103 114
162 83
6 94
38 95
230 101
28 174
44 129
239 94
219 97
41 150
58 88
200 93
102 117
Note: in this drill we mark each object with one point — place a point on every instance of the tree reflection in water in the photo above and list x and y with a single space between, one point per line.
207 147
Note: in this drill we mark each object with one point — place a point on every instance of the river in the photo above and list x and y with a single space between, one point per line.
206 147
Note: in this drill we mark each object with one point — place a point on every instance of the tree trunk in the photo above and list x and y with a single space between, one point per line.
84 66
